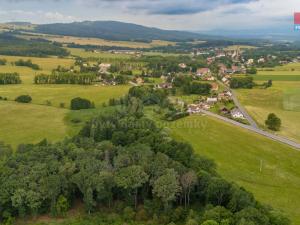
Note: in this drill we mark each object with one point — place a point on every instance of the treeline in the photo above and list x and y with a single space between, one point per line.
9 78
65 78
27 63
11 45
122 161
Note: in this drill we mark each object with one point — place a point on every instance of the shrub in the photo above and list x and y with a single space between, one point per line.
23 99
81 103
62 105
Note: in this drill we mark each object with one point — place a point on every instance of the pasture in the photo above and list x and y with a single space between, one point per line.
239 155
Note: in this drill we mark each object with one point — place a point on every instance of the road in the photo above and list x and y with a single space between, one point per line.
256 130
243 110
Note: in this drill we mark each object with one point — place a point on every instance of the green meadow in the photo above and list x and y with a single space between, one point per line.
268 169
45 117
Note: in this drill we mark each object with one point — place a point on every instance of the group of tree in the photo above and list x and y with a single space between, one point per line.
81 103
273 122
23 99
188 86
27 63
252 70
122 157
9 78
65 78
242 82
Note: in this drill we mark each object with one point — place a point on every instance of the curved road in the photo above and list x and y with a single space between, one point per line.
256 130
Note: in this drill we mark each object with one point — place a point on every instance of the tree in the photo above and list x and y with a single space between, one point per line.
187 181
273 122
23 99
19 201
167 187
131 178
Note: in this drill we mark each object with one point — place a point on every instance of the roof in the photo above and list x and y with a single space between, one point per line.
203 70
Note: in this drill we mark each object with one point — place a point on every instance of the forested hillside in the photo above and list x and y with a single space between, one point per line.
117 31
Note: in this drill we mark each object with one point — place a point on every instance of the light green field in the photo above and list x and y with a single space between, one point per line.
239 154
283 99
277 77
29 123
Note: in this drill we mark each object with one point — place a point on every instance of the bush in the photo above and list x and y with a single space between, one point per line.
23 99
81 103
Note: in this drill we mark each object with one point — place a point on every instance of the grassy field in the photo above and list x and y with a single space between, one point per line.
239 154
44 117
282 99
103 55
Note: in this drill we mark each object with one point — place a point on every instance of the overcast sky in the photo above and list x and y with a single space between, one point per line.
196 15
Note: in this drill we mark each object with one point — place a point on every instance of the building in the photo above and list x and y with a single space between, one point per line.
104 67
237 114
203 71
212 100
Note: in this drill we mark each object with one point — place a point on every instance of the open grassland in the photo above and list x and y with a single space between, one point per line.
282 99
274 77
30 123
239 154
96 41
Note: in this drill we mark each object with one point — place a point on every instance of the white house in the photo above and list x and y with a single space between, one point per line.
237 114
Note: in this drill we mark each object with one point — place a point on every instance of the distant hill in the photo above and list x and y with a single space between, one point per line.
116 31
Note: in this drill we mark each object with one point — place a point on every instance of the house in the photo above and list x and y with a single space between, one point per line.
182 65
214 87
164 86
203 71
261 60
209 78
250 61
237 114
212 100
224 79
225 111
104 67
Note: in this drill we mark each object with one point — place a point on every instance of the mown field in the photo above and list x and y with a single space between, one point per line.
44 117
239 155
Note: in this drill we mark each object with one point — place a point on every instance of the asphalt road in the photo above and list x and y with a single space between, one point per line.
256 130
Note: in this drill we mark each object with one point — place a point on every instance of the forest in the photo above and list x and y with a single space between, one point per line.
11 45
122 161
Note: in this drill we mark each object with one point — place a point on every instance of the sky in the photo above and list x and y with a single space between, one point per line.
192 15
